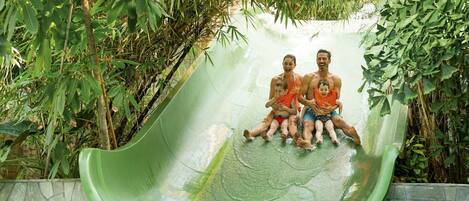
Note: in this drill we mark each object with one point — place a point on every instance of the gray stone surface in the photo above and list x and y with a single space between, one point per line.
18 192
428 192
46 189
34 193
6 191
41 190
70 190
462 194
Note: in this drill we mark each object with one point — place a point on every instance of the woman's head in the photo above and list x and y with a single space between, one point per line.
289 62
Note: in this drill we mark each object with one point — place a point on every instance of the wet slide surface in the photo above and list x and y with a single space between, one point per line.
193 149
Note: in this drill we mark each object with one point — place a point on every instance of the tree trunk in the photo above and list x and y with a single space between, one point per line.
103 133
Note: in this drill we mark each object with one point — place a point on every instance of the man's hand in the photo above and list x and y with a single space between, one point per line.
284 108
311 103
275 106
340 106
323 111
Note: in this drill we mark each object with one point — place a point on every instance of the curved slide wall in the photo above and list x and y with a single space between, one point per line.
192 147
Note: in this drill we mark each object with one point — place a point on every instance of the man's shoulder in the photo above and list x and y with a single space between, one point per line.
334 77
309 75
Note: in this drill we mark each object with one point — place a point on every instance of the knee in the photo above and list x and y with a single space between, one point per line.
308 125
339 122
292 118
264 127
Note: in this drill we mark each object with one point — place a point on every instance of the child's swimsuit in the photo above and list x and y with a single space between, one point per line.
329 100
280 118
285 100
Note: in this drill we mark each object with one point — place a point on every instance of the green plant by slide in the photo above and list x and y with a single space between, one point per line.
192 147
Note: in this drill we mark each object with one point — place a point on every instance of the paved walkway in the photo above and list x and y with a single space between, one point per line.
41 190
70 190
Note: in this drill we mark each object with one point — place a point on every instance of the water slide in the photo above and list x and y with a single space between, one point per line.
192 148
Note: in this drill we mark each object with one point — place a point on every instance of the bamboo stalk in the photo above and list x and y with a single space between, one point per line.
103 134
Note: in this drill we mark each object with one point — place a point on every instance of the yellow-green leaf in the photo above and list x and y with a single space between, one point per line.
29 18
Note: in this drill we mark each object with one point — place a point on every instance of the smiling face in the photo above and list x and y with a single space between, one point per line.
323 87
323 60
323 90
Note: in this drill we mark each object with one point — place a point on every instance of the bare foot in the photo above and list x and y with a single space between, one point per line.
297 141
284 137
247 135
309 147
354 135
306 145
336 142
319 140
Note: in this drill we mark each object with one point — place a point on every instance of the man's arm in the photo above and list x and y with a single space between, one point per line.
304 89
337 84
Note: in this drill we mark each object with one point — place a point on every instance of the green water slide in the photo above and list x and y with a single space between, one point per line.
192 148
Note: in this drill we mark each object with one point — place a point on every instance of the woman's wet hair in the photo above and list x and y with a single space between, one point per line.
291 56
323 82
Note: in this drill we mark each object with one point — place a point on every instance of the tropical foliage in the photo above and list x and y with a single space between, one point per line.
419 54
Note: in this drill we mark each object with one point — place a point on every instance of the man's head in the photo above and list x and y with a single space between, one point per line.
323 87
323 59
281 87
289 62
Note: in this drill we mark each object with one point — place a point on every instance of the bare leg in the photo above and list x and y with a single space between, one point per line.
348 130
270 133
307 135
262 127
331 131
292 126
319 128
284 128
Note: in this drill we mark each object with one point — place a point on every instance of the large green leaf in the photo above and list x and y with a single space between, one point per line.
428 86
44 59
2 4
407 21
131 16
17 128
385 108
11 23
409 94
390 71
59 101
447 71
29 17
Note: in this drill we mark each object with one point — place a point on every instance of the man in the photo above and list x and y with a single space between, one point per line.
294 84
309 84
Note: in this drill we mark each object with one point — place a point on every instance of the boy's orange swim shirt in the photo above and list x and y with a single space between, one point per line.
329 100
286 99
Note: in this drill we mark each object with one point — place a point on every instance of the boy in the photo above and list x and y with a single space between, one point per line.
326 97
287 107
